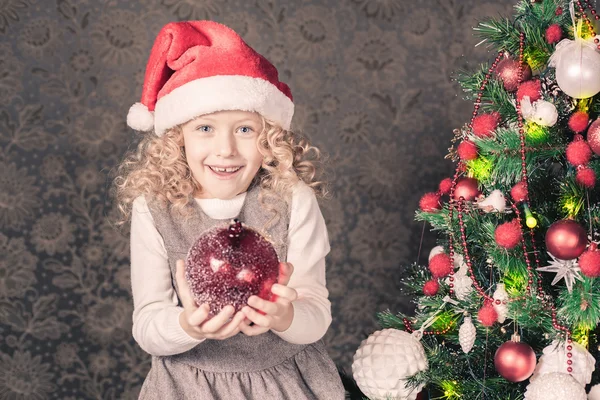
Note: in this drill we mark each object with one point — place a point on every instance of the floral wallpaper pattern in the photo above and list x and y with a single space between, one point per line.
372 87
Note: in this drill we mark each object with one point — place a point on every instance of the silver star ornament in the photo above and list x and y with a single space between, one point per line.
565 269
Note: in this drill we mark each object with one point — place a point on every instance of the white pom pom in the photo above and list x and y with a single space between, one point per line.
139 118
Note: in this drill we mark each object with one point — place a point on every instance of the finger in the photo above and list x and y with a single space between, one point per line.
263 305
284 293
217 322
252 330
199 315
256 317
184 291
285 273
233 326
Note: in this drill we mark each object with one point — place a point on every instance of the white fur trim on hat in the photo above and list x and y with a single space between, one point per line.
140 118
219 93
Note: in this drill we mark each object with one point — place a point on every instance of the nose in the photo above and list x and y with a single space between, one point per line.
225 145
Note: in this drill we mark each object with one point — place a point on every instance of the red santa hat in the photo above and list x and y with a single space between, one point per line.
200 67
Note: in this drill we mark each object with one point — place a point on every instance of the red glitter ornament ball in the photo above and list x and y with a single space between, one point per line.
487 314
509 234
430 288
508 72
467 150
227 265
440 265
593 136
566 239
532 88
485 124
578 121
519 192
468 188
586 177
445 186
553 34
515 361
578 151
430 202
589 262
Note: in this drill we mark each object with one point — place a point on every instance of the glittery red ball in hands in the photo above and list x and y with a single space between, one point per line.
468 188
440 265
225 266
586 177
532 88
430 202
578 151
487 314
509 234
589 262
430 288
445 186
578 121
553 34
515 361
593 136
508 72
485 124
519 192
566 239
467 150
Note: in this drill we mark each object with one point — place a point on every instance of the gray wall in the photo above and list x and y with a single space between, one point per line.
372 87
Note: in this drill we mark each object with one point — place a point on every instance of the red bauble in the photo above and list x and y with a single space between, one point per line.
532 88
440 265
445 186
578 151
227 265
430 202
467 150
519 192
466 188
589 262
578 121
508 72
593 136
553 34
487 314
566 239
586 177
430 288
509 234
485 124
515 361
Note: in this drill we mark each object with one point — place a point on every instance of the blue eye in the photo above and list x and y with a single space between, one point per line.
245 129
204 128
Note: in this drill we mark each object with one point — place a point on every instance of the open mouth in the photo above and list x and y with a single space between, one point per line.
225 172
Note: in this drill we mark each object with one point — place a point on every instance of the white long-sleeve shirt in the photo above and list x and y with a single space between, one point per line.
156 325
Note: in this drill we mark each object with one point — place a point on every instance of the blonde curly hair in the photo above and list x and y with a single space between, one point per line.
158 168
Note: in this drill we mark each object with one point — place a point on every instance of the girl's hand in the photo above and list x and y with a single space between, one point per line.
193 318
278 315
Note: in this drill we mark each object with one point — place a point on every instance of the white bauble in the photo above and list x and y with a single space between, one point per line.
502 308
466 335
594 393
577 68
554 359
555 386
384 360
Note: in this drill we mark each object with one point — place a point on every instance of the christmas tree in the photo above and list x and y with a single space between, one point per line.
509 303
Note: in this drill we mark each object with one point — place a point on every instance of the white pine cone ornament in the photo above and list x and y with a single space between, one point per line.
463 286
554 359
384 360
555 386
502 308
467 334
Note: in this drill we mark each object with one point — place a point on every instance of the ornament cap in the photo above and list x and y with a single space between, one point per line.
516 338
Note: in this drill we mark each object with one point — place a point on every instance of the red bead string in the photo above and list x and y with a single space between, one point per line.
581 7
409 328
520 115
524 246
483 86
466 252
451 235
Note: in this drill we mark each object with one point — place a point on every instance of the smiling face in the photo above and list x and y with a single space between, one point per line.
222 152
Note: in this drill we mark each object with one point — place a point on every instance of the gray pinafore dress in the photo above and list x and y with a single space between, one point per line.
263 367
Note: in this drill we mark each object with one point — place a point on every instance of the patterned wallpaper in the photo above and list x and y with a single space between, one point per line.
372 87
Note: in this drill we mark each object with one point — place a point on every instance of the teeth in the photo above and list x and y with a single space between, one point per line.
229 169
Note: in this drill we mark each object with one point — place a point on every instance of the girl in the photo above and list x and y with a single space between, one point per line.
221 149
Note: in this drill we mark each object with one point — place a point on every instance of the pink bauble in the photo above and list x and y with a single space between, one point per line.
515 361
593 136
508 72
566 239
466 188
227 265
